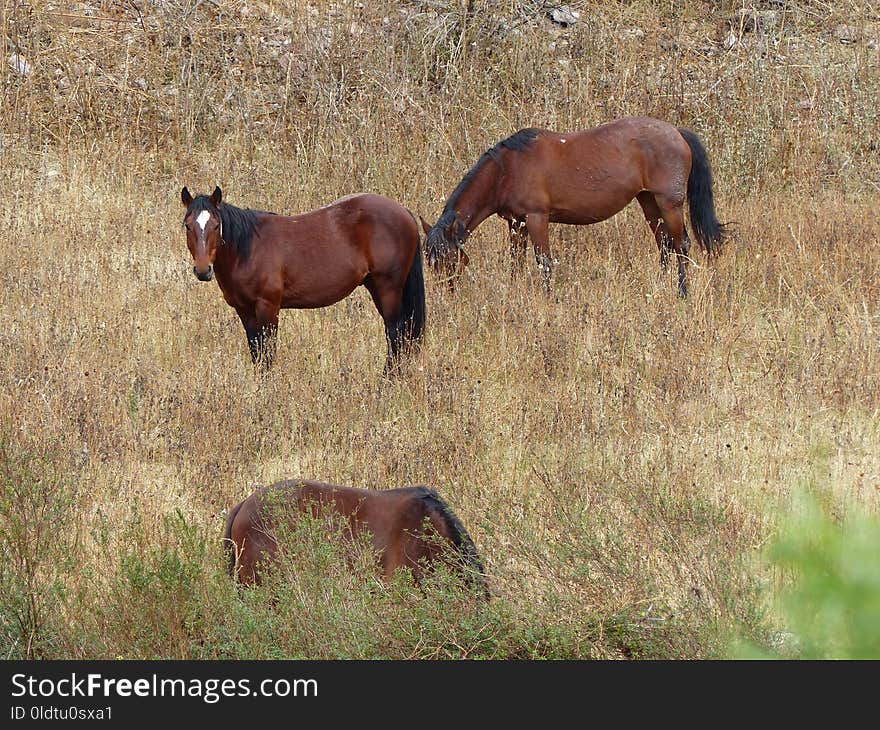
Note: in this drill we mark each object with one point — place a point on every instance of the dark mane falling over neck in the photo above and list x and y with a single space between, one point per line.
521 140
239 224
459 536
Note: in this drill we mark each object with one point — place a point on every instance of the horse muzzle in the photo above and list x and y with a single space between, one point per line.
206 275
437 255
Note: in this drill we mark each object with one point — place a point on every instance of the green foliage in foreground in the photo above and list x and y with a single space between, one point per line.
36 544
830 601
171 598
142 586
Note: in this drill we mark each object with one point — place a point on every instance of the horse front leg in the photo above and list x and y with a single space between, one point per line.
518 243
262 341
537 225
261 328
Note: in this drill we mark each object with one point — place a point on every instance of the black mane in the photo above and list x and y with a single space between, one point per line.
460 537
521 140
239 224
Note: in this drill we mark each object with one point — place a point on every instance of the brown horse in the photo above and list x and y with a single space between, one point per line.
403 524
266 262
536 177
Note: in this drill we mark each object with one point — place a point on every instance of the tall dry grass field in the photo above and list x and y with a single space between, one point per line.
620 456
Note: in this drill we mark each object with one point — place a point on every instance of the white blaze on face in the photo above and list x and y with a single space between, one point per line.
203 219
562 141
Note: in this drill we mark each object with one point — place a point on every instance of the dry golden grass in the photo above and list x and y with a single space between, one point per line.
618 455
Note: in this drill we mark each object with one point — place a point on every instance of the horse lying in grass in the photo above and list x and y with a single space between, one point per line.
409 527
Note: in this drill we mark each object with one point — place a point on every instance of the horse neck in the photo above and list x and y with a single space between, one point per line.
479 200
229 257
225 261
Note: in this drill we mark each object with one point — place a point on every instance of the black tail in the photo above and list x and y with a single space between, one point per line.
412 305
227 538
460 538
708 231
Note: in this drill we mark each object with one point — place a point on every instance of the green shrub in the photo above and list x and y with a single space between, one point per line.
829 601
37 536
324 599
158 597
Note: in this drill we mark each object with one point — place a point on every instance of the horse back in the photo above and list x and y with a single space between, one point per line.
587 176
631 144
361 210
252 523
403 524
370 230
381 227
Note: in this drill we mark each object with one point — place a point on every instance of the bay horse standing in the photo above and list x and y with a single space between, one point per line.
409 527
537 177
266 262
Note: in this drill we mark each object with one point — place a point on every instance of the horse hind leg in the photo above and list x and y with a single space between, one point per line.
673 218
387 299
394 334
657 225
246 565
392 558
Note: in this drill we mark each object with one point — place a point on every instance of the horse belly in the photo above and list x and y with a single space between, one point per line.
321 283
585 205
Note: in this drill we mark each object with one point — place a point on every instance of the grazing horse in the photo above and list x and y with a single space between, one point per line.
403 524
266 262
536 177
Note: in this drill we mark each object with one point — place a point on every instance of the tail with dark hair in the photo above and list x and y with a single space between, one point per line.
412 305
459 536
227 538
708 231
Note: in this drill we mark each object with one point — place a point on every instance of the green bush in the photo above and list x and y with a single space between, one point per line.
161 592
37 538
829 601
324 599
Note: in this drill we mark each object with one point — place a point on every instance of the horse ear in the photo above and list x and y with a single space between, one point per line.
185 198
425 225
216 197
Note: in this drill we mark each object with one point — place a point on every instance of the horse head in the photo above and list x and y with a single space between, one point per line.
444 244
204 230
